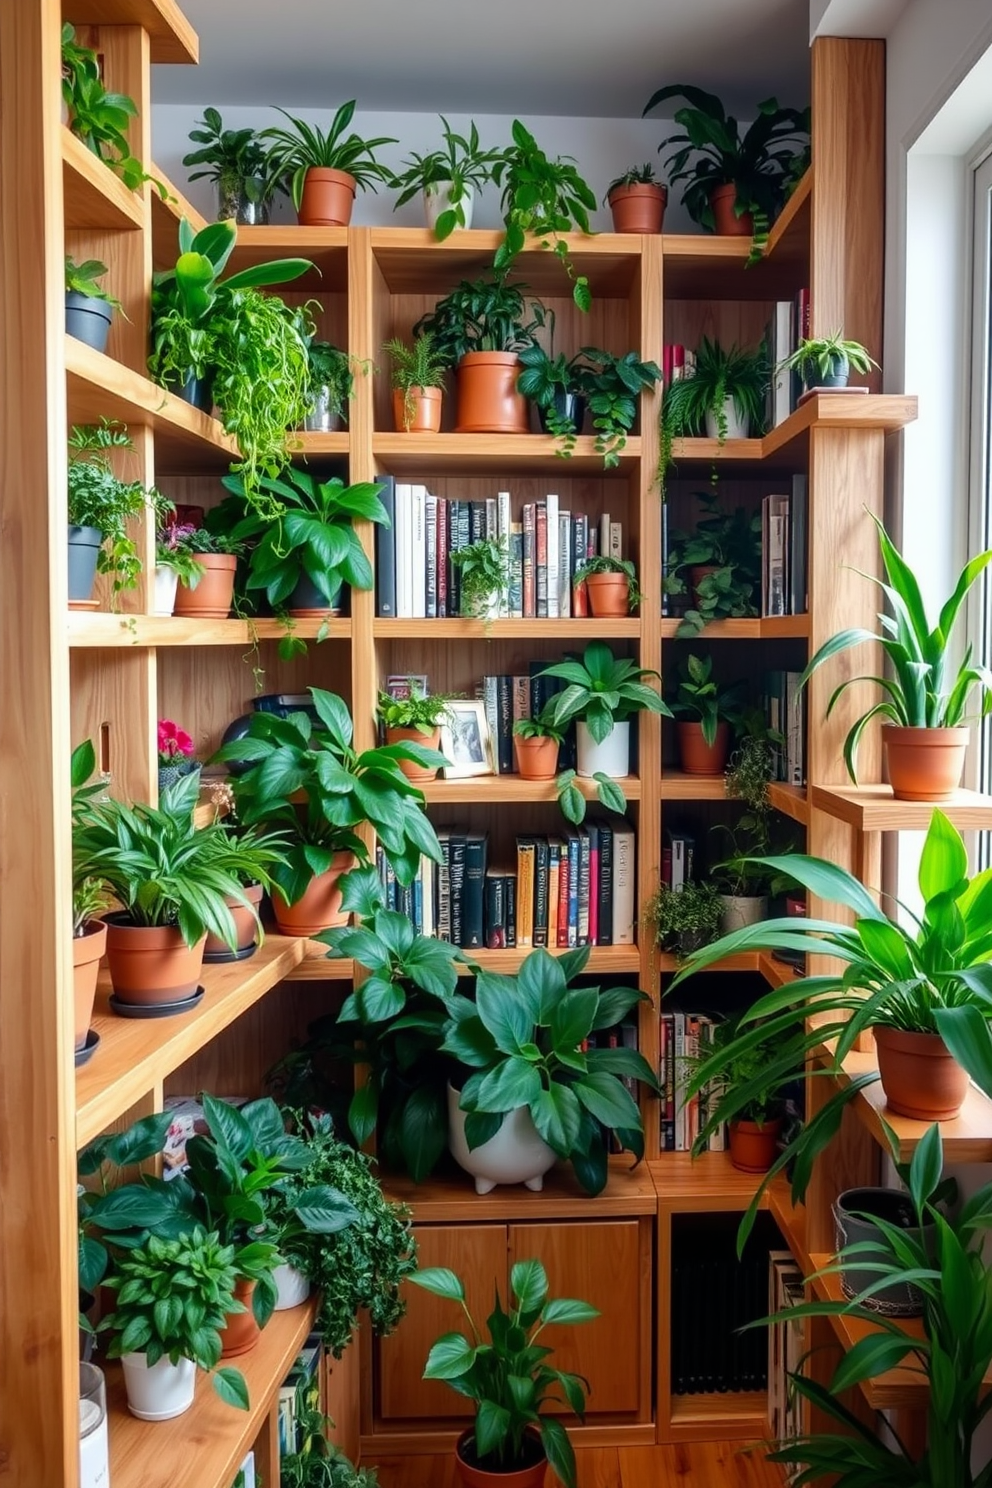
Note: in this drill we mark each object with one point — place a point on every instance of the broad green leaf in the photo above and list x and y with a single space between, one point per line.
514 1082
452 1355
529 1283
440 1280
231 1387
944 860
568 1310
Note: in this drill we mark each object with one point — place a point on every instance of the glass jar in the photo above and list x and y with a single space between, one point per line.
94 1456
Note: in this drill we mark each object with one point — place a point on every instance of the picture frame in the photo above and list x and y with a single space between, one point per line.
465 740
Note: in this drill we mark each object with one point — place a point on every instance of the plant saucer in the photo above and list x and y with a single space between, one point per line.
85 1054
221 958
155 1009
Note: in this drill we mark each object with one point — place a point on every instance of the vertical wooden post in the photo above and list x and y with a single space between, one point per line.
38 1362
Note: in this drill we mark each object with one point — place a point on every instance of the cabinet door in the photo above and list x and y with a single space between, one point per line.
607 1263
478 1254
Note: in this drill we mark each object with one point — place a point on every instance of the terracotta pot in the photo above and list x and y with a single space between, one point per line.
639 208
722 199
488 401
151 965
328 198
537 759
410 769
320 905
698 757
245 923
608 596
241 1331
924 764
753 1148
214 594
425 411
86 952
921 1079
531 1476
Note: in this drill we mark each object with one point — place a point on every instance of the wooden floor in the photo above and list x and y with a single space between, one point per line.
689 1465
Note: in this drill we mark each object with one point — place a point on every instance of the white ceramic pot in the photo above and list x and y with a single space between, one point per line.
166 583
436 202
161 1392
292 1287
516 1154
737 427
612 757
740 910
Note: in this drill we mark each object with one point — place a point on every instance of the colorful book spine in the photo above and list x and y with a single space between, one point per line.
592 832
473 892
441 558
456 881
541 559
525 891
541 891
516 571
430 556
495 910
529 563
551 554
604 919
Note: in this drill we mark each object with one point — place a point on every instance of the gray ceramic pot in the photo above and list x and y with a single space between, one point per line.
84 549
88 319
853 1221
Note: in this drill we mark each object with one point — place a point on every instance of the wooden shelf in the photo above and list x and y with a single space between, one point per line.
742 1412
790 800
873 808
214 1438
104 631
884 411
337 443
710 1182
412 261
766 628
896 1388
166 216
618 960
452 1197
325 247
677 786
170 34
511 788
498 455
522 630
701 266
776 973
790 1220
93 195
746 961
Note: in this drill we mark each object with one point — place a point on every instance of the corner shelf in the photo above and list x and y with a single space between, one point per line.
760 628
873 808
511 788
451 1197
884 411
677 786
902 1388
791 800
412 261
618 960
498 455
701 266
93 195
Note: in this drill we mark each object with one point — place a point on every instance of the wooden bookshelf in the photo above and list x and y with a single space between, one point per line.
95 197
509 454
102 630
903 1388
507 789
171 37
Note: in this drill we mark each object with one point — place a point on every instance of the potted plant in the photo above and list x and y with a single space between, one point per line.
318 1463
235 160
536 742
479 328
174 561
611 584
448 179
322 171
544 197
205 588
509 1379
612 385
417 377
417 718
332 385
925 735
744 886
342 789
89 901
723 399
266 848
637 200
100 507
99 119
484 574
604 692
861 1218
707 711
755 1128
553 384
826 361
172 1300
684 919
734 184
176 755
721 559
532 1088
89 308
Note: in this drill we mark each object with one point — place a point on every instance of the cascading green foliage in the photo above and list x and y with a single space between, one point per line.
98 498
100 119
545 197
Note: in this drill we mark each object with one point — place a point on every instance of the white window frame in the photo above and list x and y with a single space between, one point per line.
980 444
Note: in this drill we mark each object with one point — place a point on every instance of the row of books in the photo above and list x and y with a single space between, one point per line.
544 543
573 889
789 324
677 361
784 525
299 1393
715 1297
509 698
685 1038
785 711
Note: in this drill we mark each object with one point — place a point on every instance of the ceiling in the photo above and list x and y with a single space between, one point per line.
528 57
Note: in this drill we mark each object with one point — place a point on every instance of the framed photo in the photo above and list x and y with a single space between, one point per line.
403 687
465 741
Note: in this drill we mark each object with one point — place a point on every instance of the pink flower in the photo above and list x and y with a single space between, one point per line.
173 742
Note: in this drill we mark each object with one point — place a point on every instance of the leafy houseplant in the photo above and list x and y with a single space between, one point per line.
88 306
236 161
826 360
603 694
612 586
925 701
417 376
709 711
89 896
637 200
332 386
100 507
448 179
522 1039
721 558
318 1463
536 744
323 171
545 197
684 919
553 384
99 118
418 718
723 399
754 1131
508 1376
483 573
612 385
480 328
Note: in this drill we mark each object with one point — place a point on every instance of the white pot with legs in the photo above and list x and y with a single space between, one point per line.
516 1154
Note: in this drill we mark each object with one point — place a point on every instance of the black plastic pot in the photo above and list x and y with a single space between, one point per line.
197 390
854 1210
86 1339
84 549
88 319
308 596
571 406
837 376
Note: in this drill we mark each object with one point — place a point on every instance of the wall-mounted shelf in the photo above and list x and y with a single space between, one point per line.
94 196
497 455
873 808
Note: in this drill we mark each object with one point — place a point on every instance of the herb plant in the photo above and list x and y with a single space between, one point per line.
545 197
420 711
293 151
540 727
97 498
729 543
235 160
637 175
457 170
604 563
418 365
683 919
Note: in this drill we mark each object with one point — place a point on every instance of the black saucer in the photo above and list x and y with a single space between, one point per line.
155 1009
85 1054
220 958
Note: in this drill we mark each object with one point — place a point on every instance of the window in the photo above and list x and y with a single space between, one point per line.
981 448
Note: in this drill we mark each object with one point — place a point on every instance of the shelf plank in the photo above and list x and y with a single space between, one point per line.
337 443
703 266
480 630
790 800
745 961
170 34
768 627
511 788
789 236
412 261
677 786
603 960
451 1197
510 454
775 973
708 1183
103 630
93 195
213 1441
325 247
873 808
791 1220
885 411
904 1387
166 216
740 1412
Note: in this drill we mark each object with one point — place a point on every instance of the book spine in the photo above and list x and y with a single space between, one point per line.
554 877
510 892
516 571
404 551
580 542
385 552
430 535
551 504
564 565
442 557
492 519
541 891
521 698
525 891
795 771
391 886
490 698
604 918
624 882
495 911
541 559
529 560
680 1077
503 737
476 521
592 829
668 1108
456 881
503 521
573 889
562 917
427 879
419 590
473 937
604 533
798 523
616 540
582 932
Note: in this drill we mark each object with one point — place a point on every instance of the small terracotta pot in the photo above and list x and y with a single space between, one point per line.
328 198
151 965
245 923
410 769
722 199
488 401
214 594
753 1148
425 410
241 1332
639 208
320 905
608 595
921 1079
537 759
698 757
86 952
924 764
476 1477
